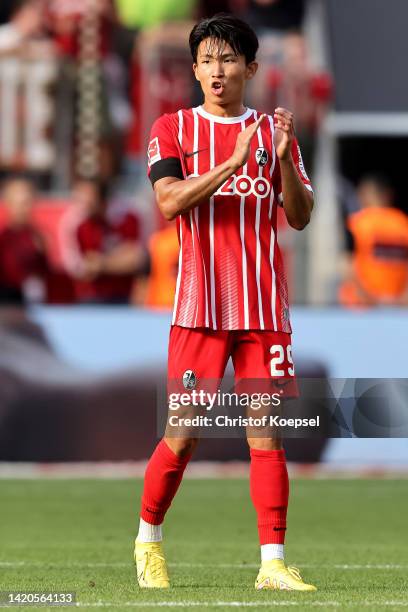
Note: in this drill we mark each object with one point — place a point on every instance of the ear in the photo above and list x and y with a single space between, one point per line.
195 68
251 70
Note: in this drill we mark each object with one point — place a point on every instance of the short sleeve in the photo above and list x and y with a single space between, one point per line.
129 227
163 153
297 158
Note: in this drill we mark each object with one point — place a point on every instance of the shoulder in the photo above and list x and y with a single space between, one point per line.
164 122
171 121
399 215
362 220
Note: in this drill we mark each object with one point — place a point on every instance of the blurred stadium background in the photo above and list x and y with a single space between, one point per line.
81 82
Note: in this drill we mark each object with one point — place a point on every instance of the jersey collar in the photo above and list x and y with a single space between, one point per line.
216 119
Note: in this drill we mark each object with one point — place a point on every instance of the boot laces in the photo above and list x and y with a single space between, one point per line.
154 561
294 572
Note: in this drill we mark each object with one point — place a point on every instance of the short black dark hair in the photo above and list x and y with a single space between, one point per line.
381 181
229 29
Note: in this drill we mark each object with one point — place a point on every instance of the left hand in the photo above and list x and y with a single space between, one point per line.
284 133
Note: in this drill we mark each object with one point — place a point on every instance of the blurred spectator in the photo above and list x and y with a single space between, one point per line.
376 268
164 255
25 21
298 86
86 33
161 75
272 20
23 260
65 20
103 256
285 75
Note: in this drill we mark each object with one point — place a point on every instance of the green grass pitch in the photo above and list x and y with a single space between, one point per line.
349 537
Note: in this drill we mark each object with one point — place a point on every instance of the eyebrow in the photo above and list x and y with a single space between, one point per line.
223 56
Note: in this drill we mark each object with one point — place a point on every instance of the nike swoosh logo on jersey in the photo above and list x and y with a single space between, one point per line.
194 152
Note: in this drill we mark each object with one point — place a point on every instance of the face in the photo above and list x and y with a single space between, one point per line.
372 195
87 198
19 196
221 73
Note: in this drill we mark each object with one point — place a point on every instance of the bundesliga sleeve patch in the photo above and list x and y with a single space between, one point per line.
153 151
301 165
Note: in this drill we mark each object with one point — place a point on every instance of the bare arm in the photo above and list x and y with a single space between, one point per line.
126 258
175 196
297 199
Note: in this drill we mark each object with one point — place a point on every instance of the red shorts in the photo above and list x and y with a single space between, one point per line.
202 354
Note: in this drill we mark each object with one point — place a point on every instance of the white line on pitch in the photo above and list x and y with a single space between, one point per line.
73 564
240 604
204 604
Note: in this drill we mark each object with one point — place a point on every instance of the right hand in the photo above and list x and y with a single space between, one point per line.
243 144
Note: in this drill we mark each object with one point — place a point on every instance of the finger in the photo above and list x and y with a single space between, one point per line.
283 111
251 130
283 117
283 125
259 121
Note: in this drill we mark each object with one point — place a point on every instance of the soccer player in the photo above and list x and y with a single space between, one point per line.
222 169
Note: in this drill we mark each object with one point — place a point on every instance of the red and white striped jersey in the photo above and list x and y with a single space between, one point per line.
231 273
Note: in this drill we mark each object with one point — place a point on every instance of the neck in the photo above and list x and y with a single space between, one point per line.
234 109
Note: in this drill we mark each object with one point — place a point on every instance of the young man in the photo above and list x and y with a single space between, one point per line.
222 169
23 257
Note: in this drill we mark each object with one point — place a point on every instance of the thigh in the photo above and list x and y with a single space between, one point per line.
267 357
197 360
197 354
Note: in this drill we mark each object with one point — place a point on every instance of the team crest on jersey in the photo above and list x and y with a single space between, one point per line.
261 156
189 379
153 151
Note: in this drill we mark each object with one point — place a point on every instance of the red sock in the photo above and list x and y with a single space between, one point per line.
162 479
269 486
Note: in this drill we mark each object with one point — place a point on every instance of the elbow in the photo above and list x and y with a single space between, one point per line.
300 224
168 210
168 214
302 219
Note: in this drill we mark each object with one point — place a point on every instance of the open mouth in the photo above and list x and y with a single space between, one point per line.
217 88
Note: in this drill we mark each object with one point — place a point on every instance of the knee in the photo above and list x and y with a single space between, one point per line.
182 446
265 444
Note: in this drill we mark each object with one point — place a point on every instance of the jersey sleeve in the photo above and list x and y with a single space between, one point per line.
129 228
297 158
163 153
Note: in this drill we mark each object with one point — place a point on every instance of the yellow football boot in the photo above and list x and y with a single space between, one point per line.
151 568
275 575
